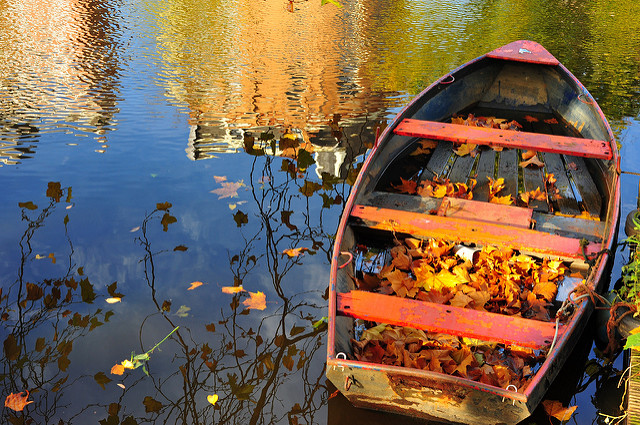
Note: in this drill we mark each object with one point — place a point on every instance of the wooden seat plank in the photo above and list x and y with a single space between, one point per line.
438 161
508 170
566 201
591 198
533 179
472 231
485 211
486 168
505 138
447 319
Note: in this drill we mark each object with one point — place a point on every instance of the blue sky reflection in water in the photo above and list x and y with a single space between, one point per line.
111 108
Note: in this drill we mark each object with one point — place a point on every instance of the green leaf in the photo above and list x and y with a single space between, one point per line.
305 160
633 342
183 311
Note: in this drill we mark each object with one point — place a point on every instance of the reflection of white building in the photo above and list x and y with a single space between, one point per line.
332 156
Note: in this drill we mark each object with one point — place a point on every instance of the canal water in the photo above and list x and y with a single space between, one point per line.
155 153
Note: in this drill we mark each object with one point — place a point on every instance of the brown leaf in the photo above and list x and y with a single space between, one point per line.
534 161
554 408
228 189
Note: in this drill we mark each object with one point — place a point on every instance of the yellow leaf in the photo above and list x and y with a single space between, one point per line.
465 149
505 200
113 300
232 289
212 399
127 364
256 300
194 285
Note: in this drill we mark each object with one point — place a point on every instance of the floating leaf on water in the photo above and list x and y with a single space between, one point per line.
228 189
167 219
181 248
17 401
220 179
163 206
256 300
183 311
117 369
121 385
113 300
211 327
232 289
213 398
135 229
295 252
194 285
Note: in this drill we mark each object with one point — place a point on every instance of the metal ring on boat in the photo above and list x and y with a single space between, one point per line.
344 356
450 80
582 97
347 262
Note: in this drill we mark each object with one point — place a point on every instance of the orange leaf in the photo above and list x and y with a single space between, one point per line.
554 408
529 118
406 186
194 285
528 154
295 252
117 369
256 300
551 121
17 401
232 289
532 161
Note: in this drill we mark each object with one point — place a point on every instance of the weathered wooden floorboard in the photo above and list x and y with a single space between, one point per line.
591 198
486 167
566 199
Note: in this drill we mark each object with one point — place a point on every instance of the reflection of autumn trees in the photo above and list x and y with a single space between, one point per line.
43 314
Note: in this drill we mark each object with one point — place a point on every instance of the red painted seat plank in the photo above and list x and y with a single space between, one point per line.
457 133
485 211
472 231
451 320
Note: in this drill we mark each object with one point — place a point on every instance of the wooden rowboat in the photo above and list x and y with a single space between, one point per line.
418 328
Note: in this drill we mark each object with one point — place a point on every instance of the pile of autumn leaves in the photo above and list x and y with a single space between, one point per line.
498 280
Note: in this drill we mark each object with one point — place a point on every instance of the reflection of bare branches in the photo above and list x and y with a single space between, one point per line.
42 317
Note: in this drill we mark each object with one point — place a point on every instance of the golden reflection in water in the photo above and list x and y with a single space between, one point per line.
59 71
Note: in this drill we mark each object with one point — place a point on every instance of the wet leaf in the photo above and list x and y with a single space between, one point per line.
113 300
166 305
151 405
101 379
194 285
256 300
220 179
213 399
554 408
228 189
466 149
17 401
